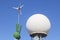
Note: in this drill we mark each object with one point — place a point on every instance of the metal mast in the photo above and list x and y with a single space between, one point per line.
18 14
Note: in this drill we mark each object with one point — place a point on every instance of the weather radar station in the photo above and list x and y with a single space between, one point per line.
18 25
37 25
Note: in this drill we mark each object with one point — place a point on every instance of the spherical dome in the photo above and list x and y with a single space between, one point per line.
38 23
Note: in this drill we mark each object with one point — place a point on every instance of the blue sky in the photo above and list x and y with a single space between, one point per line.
8 17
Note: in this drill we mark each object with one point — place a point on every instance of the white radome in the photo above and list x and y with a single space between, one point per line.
38 23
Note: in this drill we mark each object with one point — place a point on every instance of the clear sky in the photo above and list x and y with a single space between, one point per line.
8 17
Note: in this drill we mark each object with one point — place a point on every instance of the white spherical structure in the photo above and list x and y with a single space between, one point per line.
38 23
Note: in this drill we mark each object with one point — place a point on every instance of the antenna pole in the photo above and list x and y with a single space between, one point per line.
18 14
18 17
40 38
